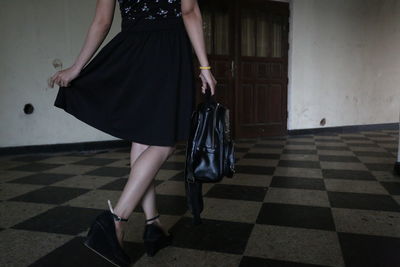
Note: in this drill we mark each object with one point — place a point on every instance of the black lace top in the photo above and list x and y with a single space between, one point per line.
149 9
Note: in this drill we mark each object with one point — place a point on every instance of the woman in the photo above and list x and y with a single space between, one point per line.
139 87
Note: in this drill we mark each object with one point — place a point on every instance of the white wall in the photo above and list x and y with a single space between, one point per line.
344 65
398 148
344 62
33 34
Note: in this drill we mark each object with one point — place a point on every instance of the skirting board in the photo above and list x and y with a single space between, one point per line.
346 129
68 147
397 168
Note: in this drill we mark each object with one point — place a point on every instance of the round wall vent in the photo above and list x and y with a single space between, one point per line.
28 108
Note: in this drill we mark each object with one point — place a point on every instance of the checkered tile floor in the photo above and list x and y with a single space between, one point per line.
314 200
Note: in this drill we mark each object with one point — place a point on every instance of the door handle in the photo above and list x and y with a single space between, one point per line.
233 68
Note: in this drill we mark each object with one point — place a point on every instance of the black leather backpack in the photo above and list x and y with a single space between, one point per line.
209 152
210 148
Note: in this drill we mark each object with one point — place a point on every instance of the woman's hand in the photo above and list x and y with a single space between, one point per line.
207 79
64 77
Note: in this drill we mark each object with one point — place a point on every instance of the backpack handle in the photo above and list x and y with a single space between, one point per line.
208 97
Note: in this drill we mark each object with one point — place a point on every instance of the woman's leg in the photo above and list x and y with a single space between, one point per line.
149 198
145 163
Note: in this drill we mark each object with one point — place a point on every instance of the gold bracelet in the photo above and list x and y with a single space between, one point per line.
205 68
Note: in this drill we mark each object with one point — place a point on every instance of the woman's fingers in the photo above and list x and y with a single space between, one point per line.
212 82
203 83
63 78
52 80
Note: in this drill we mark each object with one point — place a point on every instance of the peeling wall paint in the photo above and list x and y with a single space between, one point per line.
344 62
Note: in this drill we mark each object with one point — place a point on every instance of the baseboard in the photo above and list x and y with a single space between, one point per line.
70 147
66 147
397 168
346 129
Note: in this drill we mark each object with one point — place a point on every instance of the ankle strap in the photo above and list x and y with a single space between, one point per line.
116 217
155 217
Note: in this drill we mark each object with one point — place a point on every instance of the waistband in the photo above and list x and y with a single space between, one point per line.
141 24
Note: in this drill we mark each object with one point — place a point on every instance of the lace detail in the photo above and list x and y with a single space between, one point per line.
149 9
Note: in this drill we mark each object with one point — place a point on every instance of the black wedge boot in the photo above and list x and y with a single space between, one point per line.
154 237
102 238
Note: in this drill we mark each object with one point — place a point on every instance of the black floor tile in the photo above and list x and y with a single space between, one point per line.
123 150
362 201
75 253
299 164
300 151
354 138
30 158
211 235
333 148
80 154
296 216
242 149
347 174
273 146
95 161
261 156
326 140
180 146
376 135
326 134
274 138
372 154
183 152
171 165
41 178
119 184
373 145
297 182
338 158
370 251
245 141
299 143
238 192
116 185
168 204
392 187
380 166
383 142
110 171
300 136
248 261
51 195
62 220
254 169
178 177
35 167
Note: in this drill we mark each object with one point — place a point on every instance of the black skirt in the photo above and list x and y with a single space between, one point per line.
139 86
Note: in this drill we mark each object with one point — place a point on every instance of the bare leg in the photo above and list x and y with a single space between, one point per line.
150 208
146 164
149 205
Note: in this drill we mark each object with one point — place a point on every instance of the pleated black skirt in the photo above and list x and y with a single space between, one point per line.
139 86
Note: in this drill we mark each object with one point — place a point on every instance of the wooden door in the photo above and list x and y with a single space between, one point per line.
247 46
218 26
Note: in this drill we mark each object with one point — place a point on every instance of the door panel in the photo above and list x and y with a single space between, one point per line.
247 46
218 30
262 77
